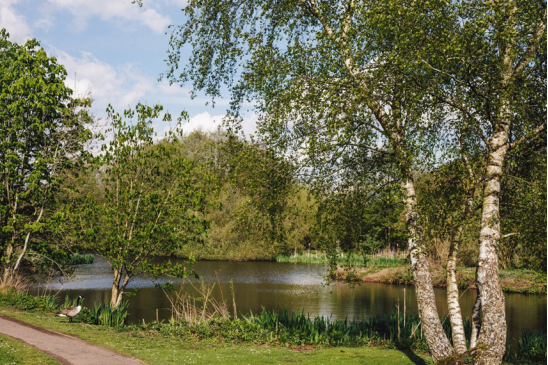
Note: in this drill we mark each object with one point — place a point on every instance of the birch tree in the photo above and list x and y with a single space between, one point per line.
326 83
490 67
43 129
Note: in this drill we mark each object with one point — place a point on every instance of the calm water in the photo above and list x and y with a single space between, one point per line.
295 287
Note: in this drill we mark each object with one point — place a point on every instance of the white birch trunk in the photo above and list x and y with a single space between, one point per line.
493 324
455 314
440 346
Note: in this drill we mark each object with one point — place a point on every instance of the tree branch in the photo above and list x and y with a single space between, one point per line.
536 131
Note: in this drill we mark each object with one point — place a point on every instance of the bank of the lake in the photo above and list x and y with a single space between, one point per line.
393 269
512 281
155 347
276 286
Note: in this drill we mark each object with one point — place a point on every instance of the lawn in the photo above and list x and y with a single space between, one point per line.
166 350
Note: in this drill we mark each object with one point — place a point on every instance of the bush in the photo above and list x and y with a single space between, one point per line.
25 301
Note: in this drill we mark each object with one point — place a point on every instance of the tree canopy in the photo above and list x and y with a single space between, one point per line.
43 131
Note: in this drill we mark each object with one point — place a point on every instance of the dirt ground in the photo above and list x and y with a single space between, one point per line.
64 348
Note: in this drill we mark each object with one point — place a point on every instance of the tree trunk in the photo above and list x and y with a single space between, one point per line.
493 325
7 264
476 321
116 295
428 312
118 289
455 314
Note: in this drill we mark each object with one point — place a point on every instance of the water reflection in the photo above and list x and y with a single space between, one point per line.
296 287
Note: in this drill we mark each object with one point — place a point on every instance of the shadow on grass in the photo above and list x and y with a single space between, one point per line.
413 357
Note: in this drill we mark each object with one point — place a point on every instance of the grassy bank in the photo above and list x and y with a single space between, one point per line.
384 259
512 281
159 347
393 268
266 338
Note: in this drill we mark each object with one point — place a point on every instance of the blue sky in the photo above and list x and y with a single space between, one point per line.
114 50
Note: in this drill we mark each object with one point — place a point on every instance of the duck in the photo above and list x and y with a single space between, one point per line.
72 312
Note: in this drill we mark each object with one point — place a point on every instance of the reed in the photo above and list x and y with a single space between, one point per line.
201 307
381 259
105 315
530 348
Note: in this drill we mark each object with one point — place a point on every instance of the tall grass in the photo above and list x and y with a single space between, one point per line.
381 259
12 283
298 327
201 307
530 348
105 315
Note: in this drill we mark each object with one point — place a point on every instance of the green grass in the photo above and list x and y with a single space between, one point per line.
16 352
27 302
166 349
381 260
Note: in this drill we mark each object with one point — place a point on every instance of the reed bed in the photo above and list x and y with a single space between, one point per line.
105 315
381 259
201 307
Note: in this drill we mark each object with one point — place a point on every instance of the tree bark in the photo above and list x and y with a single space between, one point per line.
476 321
116 293
8 272
118 289
428 312
493 325
455 314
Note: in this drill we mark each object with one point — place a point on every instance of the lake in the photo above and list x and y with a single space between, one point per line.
295 287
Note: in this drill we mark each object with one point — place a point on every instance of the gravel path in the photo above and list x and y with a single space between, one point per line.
64 348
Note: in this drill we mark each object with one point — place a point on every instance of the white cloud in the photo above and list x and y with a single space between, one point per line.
15 24
203 122
125 85
113 10
209 123
45 23
121 87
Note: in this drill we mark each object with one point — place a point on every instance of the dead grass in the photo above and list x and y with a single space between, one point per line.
13 282
202 307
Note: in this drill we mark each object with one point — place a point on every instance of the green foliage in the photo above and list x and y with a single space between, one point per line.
105 315
78 259
261 210
27 302
530 348
523 207
43 131
151 204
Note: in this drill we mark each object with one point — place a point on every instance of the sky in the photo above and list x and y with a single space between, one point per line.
114 50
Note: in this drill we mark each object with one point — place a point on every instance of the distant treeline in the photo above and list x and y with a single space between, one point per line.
261 207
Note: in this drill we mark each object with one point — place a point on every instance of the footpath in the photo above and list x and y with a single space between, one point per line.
64 348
